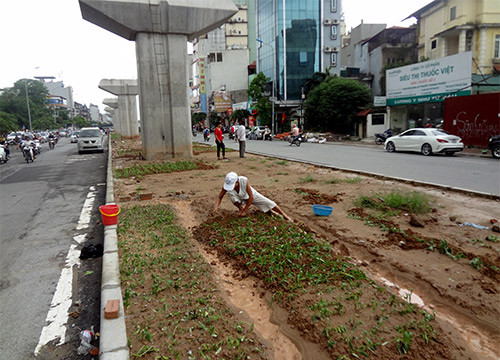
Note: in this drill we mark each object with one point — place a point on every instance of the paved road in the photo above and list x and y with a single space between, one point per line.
478 174
40 206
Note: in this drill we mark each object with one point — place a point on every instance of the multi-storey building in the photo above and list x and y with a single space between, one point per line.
298 39
449 27
220 65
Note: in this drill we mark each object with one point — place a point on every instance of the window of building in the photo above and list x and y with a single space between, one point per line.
378 119
333 32
303 58
433 44
333 59
334 6
215 57
453 13
497 46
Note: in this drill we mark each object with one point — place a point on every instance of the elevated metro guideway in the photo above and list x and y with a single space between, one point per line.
161 30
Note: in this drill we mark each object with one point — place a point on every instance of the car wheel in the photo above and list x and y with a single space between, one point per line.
495 152
426 150
390 147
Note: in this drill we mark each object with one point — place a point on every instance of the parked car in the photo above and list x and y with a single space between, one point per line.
90 139
74 136
494 146
425 140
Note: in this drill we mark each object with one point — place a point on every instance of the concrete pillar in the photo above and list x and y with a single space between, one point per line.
161 29
117 122
462 39
126 91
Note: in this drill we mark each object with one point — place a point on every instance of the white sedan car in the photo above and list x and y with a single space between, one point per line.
425 140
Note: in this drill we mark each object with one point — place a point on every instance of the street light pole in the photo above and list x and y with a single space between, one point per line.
272 83
28 103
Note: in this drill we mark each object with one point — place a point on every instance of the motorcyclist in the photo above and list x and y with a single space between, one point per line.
28 143
266 133
5 145
206 133
295 132
52 139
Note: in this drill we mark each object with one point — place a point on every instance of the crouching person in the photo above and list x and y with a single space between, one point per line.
243 195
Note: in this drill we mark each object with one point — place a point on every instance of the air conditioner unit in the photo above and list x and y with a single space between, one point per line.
328 49
327 21
334 49
335 21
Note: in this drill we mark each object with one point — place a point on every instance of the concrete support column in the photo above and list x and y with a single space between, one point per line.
162 73
117 119
483 46
462 40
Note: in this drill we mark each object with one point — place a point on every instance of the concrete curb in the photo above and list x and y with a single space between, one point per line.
113 342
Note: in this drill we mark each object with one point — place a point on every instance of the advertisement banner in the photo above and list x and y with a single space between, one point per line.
203 88
430 81
222 100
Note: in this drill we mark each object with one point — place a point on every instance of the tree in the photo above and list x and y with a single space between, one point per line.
8 123
333 104
13 101
80 122
214 119
257 91
198 117
240 114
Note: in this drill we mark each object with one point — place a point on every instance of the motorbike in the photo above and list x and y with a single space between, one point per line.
297 140
206 137
3 153
52 144
380 138
38 147
28 153
268 137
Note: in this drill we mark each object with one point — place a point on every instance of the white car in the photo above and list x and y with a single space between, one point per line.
74 136
90 139
425 140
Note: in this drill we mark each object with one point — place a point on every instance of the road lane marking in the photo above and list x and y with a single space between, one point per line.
57 317
84 220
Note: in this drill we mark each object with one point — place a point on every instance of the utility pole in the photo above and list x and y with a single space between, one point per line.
28 103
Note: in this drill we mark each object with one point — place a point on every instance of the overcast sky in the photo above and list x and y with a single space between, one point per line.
50 38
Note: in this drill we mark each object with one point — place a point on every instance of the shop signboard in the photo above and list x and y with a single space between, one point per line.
222 100
203 89
430 81
379 101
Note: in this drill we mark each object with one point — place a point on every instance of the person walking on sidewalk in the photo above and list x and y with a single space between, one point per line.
219 140
240 135
243 195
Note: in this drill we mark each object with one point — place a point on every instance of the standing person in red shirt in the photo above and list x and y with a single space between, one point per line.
219 140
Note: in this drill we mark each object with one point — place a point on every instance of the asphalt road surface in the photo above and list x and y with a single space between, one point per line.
472 173
48 211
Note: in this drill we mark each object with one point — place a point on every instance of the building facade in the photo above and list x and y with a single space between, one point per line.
220 65
449 27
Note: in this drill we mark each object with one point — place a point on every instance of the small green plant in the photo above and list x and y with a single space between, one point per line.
354 180
476 263
333 181
492 238
282 162
307 179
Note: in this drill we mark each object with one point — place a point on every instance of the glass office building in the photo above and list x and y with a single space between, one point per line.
291 43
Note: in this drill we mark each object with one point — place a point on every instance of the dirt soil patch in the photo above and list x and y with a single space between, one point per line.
410 263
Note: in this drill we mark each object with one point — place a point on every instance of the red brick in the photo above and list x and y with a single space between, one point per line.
112 308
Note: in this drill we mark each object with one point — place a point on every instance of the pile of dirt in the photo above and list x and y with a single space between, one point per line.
453 269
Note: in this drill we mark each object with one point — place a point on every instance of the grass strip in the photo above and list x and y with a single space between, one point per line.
140 170
172 304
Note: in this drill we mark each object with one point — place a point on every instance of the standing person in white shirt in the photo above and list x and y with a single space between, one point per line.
240 135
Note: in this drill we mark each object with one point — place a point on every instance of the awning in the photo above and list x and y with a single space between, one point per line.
364 113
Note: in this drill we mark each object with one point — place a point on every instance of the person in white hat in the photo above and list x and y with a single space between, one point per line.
243 195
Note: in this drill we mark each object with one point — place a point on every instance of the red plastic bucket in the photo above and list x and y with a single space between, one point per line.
109 214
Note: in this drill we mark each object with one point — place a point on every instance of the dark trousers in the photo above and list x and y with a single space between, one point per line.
220 145
242 148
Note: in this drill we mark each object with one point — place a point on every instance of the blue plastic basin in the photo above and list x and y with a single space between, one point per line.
322 210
